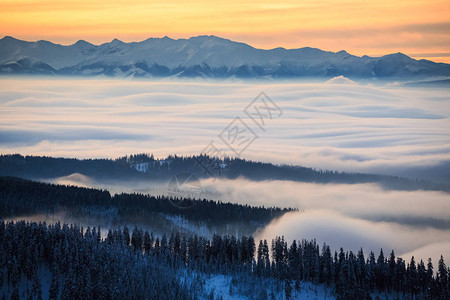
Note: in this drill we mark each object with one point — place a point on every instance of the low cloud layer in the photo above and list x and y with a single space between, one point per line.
345 126
352 234
365 201
350 215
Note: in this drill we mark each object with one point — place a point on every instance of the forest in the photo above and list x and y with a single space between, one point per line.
128 259
22 197
202 166
134 264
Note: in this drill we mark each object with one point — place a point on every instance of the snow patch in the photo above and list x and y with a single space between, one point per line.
340 80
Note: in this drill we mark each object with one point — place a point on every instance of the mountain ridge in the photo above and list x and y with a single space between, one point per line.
203 56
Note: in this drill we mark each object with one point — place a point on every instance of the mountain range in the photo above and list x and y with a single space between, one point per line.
204 56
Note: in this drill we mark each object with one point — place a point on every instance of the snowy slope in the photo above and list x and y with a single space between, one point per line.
204 56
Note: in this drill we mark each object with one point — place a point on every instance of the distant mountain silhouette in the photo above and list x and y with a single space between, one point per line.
204 56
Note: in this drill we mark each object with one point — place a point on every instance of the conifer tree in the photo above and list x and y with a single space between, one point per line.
54 287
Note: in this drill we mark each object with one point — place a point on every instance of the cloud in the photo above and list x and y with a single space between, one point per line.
352 234
366 201
348 127
75 179
33 137
433 251
348 215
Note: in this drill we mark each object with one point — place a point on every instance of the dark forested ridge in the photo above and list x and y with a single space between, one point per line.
136 265
19 197
202 166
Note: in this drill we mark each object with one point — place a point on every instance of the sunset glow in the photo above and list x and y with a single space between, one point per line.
418 28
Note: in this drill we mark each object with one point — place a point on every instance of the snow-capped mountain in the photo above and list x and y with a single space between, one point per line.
204 56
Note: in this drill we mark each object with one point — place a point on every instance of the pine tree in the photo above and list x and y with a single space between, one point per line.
380 272
36 288
54 287
361 273
297 286
327 265
184 250
442 279
260 259
177 243
422 277
250 249
126 236
401 274
391 271
266 257
342 287
136 239
430 279
293 260
110 237
147 242
287 289
164 244
412 277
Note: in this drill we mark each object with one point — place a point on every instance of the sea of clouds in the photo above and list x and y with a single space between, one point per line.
333 125
338 124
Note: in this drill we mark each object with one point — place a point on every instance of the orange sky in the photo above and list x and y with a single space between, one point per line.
418 28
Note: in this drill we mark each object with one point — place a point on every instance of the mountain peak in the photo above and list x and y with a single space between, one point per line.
9 39
209 38
116 41
212 40
44 42
82 43
398 56
205 36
